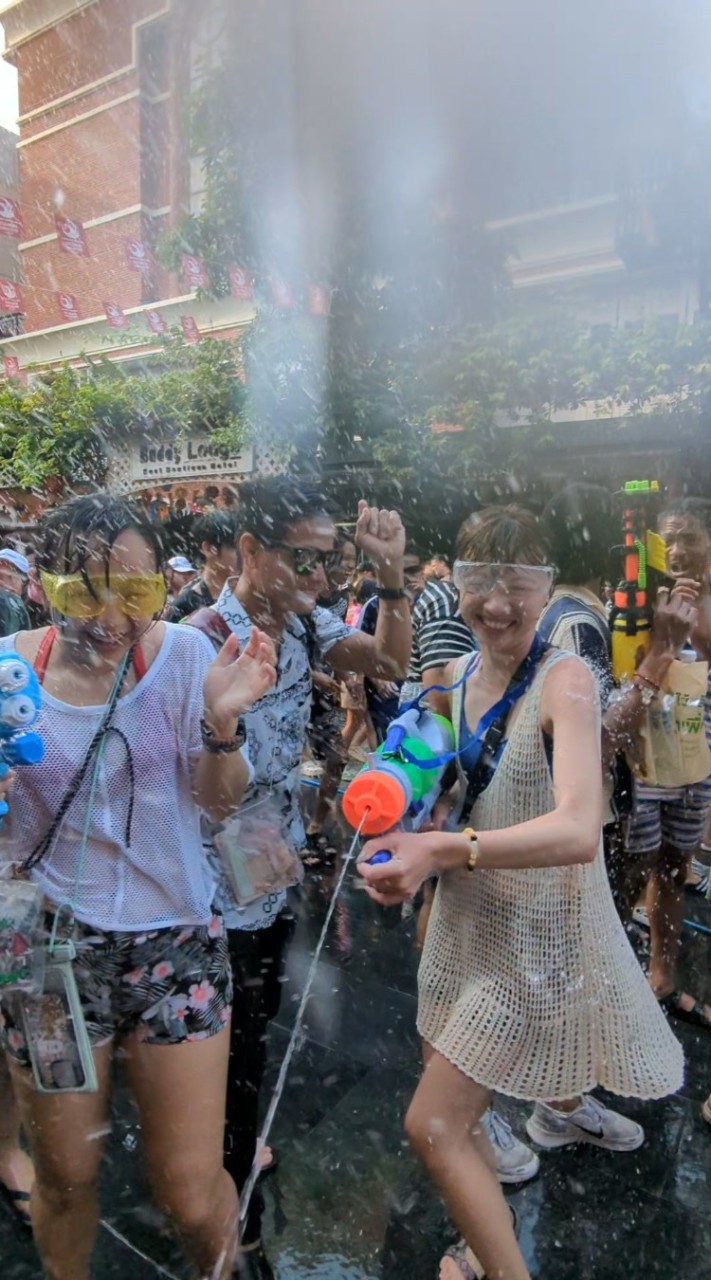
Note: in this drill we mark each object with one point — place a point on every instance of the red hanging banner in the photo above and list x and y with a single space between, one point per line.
71 236
11 365
281 293
10 218
115 315
67 304
138 256
10 296
191 333
319 300
155 322
194 273
241 284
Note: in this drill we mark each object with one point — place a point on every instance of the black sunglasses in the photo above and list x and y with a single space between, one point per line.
306 559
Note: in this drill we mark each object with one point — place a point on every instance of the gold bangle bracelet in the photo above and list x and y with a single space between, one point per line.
473 839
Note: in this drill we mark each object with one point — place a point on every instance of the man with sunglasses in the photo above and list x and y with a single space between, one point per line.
287 546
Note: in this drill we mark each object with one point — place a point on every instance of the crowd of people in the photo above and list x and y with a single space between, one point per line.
165 829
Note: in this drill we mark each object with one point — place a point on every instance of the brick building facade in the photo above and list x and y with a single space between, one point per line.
103 86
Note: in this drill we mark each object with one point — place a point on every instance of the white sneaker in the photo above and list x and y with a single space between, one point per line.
515 1162
590 1122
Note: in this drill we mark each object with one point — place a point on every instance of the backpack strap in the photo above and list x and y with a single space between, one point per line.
42 656
211 624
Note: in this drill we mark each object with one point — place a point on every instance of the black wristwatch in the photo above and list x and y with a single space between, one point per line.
391 593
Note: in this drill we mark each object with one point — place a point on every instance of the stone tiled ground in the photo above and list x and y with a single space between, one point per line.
349 1203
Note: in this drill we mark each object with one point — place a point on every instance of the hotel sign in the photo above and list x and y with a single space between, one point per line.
161 461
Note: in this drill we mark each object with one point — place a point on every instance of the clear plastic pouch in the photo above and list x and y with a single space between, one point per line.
255 856
55 1030
22 953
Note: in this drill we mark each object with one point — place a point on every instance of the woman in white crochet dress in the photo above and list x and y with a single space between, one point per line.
528 986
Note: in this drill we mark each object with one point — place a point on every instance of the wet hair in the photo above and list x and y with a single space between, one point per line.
267 507
503 535
218 529
89 526
580 522
700 508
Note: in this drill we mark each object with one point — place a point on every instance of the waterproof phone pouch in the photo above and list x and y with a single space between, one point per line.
255 856
55 1031
22 954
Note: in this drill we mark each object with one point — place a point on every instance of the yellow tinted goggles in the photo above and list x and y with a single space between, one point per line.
135 595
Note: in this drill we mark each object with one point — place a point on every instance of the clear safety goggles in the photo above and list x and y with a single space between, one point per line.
479 579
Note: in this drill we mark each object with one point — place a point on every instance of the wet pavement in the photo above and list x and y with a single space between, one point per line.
348 1202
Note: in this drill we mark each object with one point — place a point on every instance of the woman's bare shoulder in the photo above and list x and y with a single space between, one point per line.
565 680
28 642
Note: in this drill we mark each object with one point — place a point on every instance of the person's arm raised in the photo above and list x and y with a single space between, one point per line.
385 655
675 617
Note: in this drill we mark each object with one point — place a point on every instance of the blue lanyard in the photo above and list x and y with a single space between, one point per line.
497 715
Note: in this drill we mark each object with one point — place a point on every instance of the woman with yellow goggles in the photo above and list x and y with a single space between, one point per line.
142 732
76 595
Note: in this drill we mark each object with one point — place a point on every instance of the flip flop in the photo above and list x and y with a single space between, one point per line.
695 1016
15 1200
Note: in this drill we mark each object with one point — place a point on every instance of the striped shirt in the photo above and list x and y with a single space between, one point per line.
439 633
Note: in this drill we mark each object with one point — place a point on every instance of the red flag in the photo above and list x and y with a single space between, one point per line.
138 256
281 293
115 316
10 296
155 322
11 365
319 300
191 333
71 236
194 273
240 284
10 218
68 306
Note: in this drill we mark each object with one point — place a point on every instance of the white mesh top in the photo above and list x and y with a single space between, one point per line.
527 982
162 877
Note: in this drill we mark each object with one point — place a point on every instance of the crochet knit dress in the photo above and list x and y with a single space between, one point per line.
527 982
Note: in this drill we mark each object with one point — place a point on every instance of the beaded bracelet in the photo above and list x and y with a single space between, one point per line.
647 689
652 683
222 746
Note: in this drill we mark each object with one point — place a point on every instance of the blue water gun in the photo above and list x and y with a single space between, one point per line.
20 703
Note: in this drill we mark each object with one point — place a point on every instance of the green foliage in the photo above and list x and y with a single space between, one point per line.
62 426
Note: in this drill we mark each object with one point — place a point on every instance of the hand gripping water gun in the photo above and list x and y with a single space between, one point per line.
20 702
631 617
400 783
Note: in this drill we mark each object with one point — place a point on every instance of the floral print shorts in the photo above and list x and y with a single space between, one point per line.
165 986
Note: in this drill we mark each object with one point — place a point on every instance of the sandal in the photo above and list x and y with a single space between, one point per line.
695 1016
458 1254
19 1203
